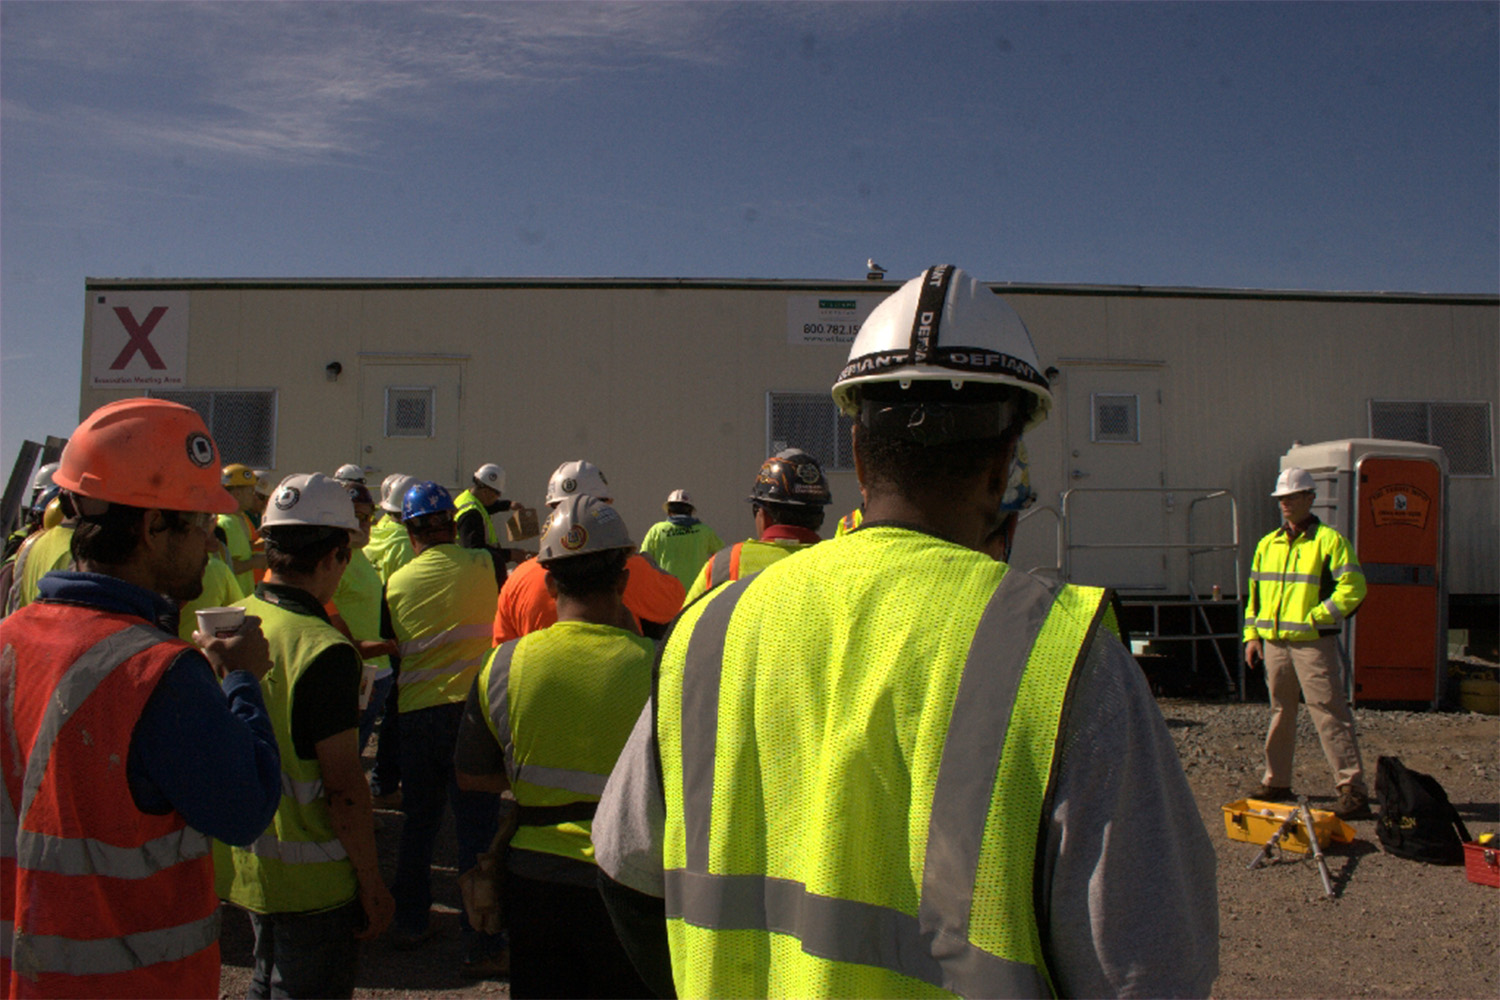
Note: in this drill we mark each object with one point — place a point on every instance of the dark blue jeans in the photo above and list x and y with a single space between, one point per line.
372 711
306 954
428 736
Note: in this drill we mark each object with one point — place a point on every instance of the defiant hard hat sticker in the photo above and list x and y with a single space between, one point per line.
200 450
287 498
575 538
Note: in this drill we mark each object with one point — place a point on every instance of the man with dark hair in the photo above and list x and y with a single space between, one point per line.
440 603
787 501
546 719
122 752
894 764
312 883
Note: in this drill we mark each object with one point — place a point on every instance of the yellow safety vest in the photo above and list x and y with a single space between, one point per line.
857 750
740 560
849 522
240 547
1304 587
561 703
442 608
389 547
47 551
358 600
298 864
467 501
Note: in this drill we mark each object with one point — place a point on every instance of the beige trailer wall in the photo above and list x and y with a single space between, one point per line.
664 384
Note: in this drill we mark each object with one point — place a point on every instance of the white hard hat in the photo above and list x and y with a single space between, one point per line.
264 484
43 477
677 496
582 524
310 500
944 326
1294 480
491 475
394 490
573 478
350 473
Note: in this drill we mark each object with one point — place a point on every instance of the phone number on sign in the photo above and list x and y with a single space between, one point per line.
830 329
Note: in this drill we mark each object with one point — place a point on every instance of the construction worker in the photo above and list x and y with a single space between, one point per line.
440 604
1305 581
477 507
787 501
893 766
359 611
122 752
652 596
546 719
681 544
45 549
42 491
350 473
389 547
311 883
239 529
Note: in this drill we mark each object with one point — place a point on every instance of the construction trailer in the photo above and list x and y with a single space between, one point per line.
1173 405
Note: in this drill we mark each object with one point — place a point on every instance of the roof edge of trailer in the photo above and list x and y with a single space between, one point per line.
92 284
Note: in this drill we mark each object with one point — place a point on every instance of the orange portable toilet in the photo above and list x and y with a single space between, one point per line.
1389 498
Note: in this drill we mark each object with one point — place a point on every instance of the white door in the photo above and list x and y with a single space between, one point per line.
409 418
1116 516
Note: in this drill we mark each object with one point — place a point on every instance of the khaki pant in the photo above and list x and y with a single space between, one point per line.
1315 667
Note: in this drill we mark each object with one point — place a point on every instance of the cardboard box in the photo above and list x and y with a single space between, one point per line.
1255 821
1482 863
522 525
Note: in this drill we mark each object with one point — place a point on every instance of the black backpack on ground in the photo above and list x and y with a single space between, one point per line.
1416 819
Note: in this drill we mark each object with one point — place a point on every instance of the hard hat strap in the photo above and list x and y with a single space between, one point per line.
934 423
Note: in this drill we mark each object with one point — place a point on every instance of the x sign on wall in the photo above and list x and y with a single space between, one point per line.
139 339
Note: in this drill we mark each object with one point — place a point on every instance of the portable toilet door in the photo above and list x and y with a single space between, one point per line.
1399 635
1389 498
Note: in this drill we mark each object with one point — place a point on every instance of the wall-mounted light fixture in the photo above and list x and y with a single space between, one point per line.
333 370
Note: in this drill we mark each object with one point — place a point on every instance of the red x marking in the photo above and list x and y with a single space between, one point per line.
139 338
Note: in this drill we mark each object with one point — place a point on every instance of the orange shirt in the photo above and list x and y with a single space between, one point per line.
525 606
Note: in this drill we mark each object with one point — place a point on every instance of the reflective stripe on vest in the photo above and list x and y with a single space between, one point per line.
934 945
35 954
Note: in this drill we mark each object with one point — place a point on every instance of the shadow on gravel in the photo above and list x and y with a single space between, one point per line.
1478 812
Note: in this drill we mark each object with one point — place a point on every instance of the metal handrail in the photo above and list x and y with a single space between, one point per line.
1193 548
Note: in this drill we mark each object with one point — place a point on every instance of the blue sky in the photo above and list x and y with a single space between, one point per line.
1267 145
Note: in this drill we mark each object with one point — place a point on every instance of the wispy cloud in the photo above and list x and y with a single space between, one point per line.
308 81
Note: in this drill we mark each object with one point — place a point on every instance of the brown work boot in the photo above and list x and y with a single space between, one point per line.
1272 793
1352 805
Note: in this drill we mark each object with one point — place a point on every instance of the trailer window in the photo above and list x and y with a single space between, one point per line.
810 421
408 411
243 423
1461 429
1116 418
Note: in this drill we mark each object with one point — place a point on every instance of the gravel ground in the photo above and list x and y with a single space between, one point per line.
1395 928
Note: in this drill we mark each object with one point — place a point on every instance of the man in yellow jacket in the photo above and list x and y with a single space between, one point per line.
1305 580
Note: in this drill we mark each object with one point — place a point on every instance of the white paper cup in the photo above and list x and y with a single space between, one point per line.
367 684
221 623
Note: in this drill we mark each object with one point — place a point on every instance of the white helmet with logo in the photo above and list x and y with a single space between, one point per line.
1294 480
393 492
582 524
490 475
574 478
310 500
941 333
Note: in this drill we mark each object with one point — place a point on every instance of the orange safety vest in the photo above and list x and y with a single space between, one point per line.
100 899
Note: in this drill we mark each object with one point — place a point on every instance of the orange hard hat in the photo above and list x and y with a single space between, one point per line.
145 453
